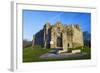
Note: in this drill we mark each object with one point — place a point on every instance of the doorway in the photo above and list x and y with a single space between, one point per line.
59 41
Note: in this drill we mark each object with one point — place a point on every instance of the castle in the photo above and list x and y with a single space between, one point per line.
59 36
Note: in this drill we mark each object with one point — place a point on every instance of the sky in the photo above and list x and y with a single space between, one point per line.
34 20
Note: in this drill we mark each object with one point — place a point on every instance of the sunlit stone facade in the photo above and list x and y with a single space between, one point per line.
59 36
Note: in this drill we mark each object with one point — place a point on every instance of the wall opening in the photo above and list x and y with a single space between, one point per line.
68 45
59 41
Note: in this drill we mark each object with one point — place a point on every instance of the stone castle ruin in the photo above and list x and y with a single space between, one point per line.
59 36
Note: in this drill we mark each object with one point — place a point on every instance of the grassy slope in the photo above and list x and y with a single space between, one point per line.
32 55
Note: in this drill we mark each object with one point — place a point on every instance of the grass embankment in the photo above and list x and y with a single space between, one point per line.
32 54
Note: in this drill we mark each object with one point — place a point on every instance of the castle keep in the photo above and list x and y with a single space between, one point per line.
59 36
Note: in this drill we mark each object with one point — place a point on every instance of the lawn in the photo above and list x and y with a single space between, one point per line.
32 55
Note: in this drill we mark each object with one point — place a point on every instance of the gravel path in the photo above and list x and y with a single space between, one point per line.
63 55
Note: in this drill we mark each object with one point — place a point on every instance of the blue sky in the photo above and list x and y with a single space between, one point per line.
34 20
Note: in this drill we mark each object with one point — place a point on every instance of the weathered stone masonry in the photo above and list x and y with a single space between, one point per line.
59 36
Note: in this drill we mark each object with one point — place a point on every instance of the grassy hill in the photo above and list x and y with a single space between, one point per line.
32 54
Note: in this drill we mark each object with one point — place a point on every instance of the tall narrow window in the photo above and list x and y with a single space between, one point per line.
68 45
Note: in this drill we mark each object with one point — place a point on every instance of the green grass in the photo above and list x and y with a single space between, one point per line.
32 54
88 51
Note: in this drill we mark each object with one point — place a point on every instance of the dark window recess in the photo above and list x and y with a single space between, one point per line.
68 45
59 42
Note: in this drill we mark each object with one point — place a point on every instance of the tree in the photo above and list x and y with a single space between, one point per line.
26 43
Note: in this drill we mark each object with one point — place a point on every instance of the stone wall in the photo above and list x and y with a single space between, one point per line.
39 38
77 38
60 36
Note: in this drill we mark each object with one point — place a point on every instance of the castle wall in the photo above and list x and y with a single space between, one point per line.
47 35
77 38
70 36
65 47
57 35
39 38
53 38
